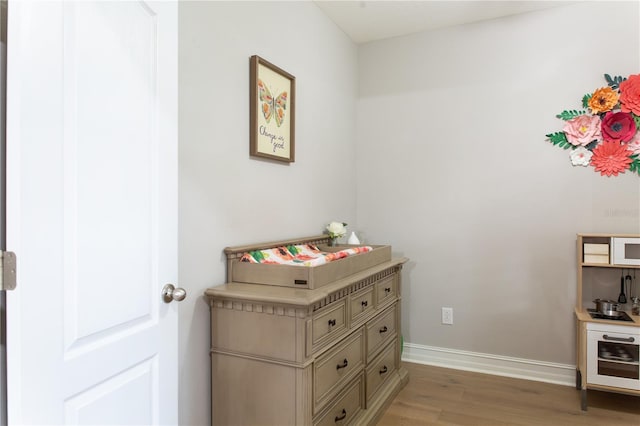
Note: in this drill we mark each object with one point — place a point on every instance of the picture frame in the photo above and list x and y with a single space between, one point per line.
272 111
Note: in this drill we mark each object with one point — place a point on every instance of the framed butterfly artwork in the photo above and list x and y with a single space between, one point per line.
273 93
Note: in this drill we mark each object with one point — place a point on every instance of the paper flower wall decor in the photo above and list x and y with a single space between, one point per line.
605 134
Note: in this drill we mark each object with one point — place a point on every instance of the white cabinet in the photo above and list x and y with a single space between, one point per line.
613 356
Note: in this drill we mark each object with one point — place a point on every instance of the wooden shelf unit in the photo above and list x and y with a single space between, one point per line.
585 273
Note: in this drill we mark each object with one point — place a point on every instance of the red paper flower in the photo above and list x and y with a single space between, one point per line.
610 158
618 126
630 94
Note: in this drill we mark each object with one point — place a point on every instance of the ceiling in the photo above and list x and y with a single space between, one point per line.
365 21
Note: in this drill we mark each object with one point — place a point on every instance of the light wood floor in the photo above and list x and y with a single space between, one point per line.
440 396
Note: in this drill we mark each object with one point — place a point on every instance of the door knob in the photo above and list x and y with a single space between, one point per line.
170 292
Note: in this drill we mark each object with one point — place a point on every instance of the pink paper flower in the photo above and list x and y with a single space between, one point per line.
634 144
618 126
583 130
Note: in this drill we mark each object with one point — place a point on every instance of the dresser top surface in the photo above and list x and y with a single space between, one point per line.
293 296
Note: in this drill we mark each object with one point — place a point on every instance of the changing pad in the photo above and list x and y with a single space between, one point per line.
300 255
305 263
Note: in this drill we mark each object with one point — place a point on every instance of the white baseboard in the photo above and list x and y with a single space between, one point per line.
540 371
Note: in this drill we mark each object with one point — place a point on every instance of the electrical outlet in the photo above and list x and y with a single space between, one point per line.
447 316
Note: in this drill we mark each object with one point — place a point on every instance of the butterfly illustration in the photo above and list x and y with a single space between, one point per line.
272 106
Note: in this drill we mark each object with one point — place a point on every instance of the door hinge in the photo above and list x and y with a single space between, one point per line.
8 268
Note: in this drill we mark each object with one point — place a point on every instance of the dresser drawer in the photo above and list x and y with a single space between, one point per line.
325 325
381 368
346 407
386 290
361 304
335 367
380 329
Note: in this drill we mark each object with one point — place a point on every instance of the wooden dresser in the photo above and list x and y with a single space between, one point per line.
325 356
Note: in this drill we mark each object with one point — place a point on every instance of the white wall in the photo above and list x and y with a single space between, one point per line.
455 172
452 164
228 199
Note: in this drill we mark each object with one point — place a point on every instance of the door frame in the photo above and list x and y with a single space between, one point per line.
4 6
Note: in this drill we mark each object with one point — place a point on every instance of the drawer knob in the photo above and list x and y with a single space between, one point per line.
364 303
383 329
387 289
332 322
343 365
341 416
383 369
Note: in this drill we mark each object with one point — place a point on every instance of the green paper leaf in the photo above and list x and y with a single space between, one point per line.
559 139
614 82
571 113
585 100
634 167
637 120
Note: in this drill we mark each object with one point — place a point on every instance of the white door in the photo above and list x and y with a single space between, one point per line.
92 212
